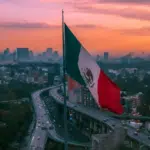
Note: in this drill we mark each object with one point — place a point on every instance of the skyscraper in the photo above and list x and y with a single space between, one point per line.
31 54
6 51
6 54
49 52
22 53
106 55
97 58
55 55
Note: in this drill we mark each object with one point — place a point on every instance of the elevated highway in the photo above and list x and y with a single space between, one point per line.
141 138
42 131
40 136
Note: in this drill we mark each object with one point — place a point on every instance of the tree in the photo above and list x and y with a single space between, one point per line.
144 108
11 95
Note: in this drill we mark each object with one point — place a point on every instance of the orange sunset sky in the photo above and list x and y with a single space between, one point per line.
116 26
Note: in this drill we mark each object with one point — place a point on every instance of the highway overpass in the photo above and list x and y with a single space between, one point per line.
42 129
95 115
102 117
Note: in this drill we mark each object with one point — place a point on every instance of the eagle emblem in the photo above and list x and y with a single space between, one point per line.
88 77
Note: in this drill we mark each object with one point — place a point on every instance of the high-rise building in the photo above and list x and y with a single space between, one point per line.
97 58
30 54
44 54
22 53
55 55
106 55
6 51
49 52
14 56
6 54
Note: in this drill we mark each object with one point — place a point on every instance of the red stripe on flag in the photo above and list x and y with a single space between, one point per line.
72 84
109 94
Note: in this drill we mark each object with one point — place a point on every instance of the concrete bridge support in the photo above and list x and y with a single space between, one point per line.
103 129
99 128
143 147
110 141
95 127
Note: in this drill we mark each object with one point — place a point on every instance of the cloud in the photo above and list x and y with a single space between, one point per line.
26 25
34 25
11 1
127 12
69 2
137 32
124 1
85 26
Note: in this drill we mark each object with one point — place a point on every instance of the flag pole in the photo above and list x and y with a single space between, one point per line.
64 85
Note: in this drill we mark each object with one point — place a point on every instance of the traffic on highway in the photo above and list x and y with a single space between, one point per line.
102 117
39 136
46 128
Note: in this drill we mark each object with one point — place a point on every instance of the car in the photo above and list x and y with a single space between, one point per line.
138 130
51 127
38 137
123 122
149 137
135 133
105 120
61 98
43 128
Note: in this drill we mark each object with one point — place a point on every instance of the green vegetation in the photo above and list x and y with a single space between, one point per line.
132 85
123 147
52 145
16 90
144 108
15 114
16 119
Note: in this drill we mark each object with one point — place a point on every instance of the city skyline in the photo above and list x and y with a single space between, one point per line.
113 26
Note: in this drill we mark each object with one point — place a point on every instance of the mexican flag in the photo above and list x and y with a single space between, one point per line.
74 91
81 67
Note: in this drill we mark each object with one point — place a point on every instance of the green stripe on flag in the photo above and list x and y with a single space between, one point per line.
72 47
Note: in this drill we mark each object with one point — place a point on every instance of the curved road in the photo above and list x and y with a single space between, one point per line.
101 116
39 136
42 130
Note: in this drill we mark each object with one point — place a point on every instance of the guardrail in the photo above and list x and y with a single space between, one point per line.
110 115
60 139
144 139
127 117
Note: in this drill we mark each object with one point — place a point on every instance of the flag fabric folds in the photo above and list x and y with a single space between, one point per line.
81 67
74 91
72 84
